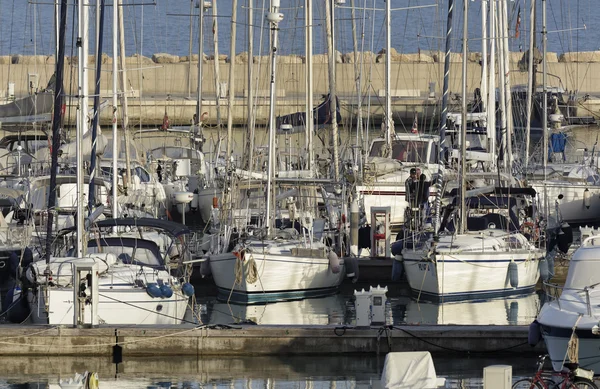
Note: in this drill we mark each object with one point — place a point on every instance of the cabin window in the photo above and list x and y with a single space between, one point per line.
142 174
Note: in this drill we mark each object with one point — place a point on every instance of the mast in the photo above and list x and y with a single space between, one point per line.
545 105
507 91
274 17
91 199
329 26
462 227
443 122
358 78
231 83
502 75
484 60
200 60
250 102
81 120
56 122
530 86
115 101
310 119
389 121
123 79
84 20
491 106
215 30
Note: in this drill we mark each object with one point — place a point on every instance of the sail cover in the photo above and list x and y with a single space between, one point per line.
321 114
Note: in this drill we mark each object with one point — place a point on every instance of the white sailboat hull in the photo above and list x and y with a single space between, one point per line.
470 275
125 306
279 277
572 207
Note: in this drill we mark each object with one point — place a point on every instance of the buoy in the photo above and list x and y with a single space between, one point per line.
187 289
587 198
153 290
543 265
205 268
166 291
334 262
92 381
351 265
397 268
535 333
513 313
513 274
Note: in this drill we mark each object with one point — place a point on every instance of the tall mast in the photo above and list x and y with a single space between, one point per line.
484 59
81 121
100 41
56 122
462 227
530 86
443 121
200 61
545 104
215 30
310 120
123 81
389 121
274 17
115 102
250 102
329 26
507 91
491 105
231 86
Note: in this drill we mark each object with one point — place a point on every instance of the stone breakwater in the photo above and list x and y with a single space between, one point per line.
426 56
167 83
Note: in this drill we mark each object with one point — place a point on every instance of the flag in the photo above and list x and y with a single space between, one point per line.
518 23
414 128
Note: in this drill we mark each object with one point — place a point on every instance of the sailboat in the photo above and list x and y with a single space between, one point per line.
289 257
479 248
137 259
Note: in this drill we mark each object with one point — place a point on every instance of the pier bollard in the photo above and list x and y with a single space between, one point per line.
378 301
362 305
497 377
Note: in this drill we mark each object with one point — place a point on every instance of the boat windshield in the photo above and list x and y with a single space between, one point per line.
582 274
402 150
128 250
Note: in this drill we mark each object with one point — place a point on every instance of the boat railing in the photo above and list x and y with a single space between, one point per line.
554 292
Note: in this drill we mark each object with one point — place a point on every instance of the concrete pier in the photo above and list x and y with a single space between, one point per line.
243 340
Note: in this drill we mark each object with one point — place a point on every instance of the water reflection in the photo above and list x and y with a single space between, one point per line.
517 310
339 310
331 310
294 372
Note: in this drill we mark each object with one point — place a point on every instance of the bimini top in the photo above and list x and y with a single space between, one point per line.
173 228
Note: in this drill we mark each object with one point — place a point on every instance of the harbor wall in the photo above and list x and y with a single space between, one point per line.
155 85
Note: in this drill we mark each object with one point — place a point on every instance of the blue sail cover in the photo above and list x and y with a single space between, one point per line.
321 115
557 144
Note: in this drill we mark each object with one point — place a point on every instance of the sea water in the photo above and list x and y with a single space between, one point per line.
287 372
163 26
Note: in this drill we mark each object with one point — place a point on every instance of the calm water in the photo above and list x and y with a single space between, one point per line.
340 372
26 26
339 310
